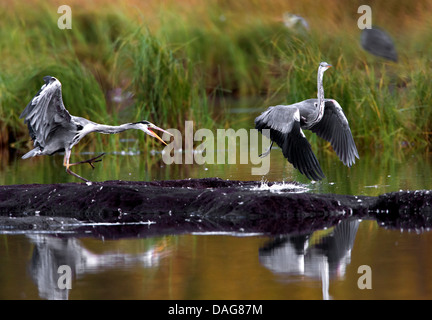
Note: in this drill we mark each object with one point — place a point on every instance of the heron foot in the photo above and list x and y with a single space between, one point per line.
265 154
89 161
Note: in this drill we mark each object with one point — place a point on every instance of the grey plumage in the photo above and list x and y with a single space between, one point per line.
377 42
50 125
53 129
292 21
334 128
324 117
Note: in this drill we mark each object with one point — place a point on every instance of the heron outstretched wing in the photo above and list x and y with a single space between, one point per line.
284 125
46 111
334 128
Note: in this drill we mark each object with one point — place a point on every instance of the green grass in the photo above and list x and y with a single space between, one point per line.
164 86
177 62
98 55
386 103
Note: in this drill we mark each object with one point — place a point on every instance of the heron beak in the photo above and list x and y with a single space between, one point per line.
153 134
156 136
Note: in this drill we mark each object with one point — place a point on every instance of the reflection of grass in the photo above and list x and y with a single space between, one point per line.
176 56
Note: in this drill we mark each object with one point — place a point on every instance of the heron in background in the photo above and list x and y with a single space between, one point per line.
324 117
379 43
53 129
292 21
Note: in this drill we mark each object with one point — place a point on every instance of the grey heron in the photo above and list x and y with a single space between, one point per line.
324 117
53 129
292 21
377 42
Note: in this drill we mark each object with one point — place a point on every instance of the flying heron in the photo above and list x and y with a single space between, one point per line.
322 116
53 129
379 43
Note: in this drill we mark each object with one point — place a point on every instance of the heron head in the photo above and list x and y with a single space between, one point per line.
324 66
148 128
49 79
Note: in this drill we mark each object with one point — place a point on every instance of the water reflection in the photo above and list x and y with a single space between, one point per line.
319 256
312 255
50 253
322 264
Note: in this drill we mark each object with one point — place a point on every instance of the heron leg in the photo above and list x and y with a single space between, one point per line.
89 161
265 154
67 165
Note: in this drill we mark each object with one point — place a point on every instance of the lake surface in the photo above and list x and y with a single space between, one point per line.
320 265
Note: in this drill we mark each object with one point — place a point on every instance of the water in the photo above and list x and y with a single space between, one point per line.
218 266
320 265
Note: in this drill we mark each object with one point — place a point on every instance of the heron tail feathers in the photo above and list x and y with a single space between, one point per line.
31 153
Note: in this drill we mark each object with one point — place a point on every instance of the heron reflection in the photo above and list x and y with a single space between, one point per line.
51 252
301 255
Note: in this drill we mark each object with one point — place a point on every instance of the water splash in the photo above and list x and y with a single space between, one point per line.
280 187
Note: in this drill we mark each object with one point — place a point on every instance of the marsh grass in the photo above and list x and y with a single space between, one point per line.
179 58
164 86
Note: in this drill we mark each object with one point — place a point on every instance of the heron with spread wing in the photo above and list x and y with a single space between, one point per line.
324 117
379 43
53 129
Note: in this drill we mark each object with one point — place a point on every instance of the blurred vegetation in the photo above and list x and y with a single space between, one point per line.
171 61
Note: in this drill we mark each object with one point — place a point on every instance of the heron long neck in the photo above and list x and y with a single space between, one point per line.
88 126
101 128
321 101
107 129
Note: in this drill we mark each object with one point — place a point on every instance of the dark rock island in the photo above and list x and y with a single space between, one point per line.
129 208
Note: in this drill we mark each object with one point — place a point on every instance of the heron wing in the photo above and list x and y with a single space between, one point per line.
334 128
45 112
379 43
283 123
